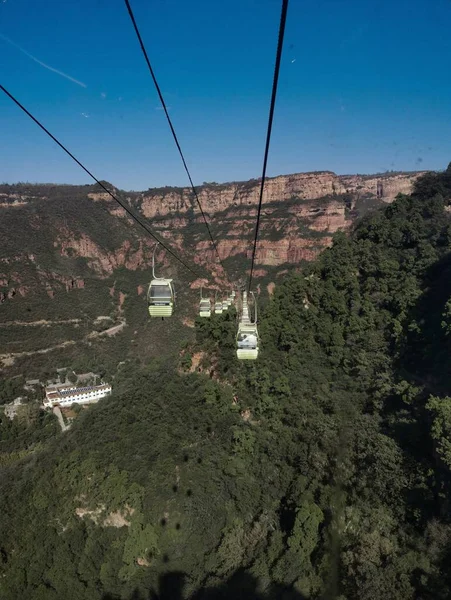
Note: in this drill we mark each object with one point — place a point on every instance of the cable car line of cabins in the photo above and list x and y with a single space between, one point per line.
161 302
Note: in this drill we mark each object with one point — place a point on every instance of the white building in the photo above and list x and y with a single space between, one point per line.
66 395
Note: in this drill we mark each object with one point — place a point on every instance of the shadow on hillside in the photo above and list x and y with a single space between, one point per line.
426 354
240 586
425 362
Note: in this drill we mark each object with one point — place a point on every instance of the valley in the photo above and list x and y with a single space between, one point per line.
239 389
319 471
77 250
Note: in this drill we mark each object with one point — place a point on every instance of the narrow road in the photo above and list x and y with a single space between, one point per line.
111 331
8 359
57 412
41 323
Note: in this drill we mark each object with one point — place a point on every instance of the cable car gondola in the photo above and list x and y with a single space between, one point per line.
205 306
161 294
218 306
247 339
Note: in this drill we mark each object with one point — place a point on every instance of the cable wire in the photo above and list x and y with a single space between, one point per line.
120 202
283 18
174 135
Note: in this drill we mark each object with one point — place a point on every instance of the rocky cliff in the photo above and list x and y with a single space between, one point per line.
47 230
301 211
71 257
303 186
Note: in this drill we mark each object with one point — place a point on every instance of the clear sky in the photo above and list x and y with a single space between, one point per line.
365 86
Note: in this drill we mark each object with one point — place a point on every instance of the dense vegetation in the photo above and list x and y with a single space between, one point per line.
320 471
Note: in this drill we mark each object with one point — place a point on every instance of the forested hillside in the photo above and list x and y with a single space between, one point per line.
320 471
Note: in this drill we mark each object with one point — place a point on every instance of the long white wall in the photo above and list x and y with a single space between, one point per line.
80 398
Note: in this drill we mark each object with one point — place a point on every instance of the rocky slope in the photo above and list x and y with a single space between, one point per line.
301 211
55 235
70 252
302 186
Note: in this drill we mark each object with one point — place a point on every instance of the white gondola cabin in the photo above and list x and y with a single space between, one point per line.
218 307
161 297
205 308
161 294
247 339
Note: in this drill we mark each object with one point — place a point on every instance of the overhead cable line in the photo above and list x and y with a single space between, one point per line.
171 126
137 218
283 18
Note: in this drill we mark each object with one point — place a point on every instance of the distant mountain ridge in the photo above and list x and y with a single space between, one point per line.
56 225
301 212
305 186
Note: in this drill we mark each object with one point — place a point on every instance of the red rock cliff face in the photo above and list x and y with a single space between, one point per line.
304 186
104 263
386 187
300 212
222 197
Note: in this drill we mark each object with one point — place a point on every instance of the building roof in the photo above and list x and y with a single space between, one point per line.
84 390
64 391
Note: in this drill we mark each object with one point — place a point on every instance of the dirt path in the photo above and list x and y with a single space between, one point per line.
8 359
41 323
59 416
111 331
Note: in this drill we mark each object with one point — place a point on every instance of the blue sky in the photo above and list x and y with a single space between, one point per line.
364 87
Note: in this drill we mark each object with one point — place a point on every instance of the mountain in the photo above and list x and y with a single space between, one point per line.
70 255
301 211
321 470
